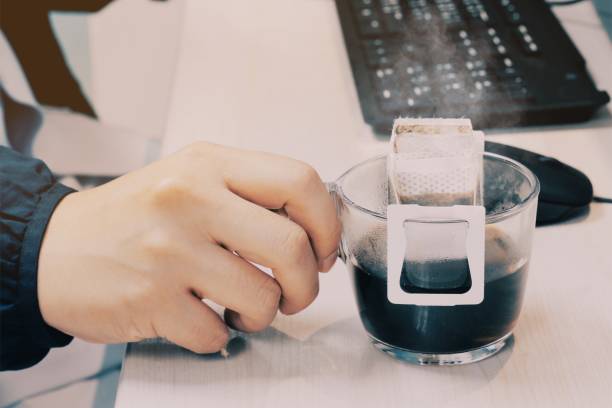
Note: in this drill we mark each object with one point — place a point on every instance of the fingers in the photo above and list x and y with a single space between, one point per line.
191 324
230 281
243 322
275 182
271 240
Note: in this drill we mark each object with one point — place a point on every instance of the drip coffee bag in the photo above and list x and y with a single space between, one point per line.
435 162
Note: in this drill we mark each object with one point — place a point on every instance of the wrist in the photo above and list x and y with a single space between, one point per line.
52 263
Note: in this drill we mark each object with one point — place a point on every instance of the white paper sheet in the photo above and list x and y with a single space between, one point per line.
72 143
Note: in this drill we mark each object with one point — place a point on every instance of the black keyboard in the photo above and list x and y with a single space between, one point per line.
500 63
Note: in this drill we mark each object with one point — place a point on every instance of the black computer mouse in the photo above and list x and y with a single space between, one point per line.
565 192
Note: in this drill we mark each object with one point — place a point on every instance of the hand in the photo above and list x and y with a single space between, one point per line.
132 259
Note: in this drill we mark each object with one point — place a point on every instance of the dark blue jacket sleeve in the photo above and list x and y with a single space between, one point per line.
28 195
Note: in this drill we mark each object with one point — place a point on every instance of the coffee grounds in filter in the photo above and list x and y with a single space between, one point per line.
435 162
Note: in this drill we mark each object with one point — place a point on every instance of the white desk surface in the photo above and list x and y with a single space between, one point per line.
273 75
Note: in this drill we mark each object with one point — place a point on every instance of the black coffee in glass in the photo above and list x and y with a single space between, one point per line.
444 329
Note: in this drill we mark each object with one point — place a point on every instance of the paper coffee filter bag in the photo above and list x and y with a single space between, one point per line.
435 162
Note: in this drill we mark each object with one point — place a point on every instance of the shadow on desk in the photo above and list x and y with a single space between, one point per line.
340 353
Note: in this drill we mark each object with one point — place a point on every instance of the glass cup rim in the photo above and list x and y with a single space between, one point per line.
490 218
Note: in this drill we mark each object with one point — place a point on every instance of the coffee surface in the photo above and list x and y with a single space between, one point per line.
447 276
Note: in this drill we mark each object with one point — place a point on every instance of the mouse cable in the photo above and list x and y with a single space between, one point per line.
553 3
605 200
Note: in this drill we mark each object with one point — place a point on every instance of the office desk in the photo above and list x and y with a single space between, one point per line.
280 81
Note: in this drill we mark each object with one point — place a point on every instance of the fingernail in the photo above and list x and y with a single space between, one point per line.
326 264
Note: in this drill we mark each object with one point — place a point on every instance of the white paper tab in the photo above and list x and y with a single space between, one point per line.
421 236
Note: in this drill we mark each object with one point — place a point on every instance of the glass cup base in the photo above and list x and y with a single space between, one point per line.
466 357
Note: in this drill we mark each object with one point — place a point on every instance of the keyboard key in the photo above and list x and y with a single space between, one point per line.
420 12
385 78
517 89
511 13
527 42
411 69
479 74
385 73
449 13
477 12
380 52
421 79
369 21
507 72
446 67
486 96
359 4
412 52
515 82
452 87
482 85
475 64
391 99
393 16
520 93
423 104
533 48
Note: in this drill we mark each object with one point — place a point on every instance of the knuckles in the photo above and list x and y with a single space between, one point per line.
296 248
305 177
199 148
269 293
158 244
296 245
170 192
297 305
201 155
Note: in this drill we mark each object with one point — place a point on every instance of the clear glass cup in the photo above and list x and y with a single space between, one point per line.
439 335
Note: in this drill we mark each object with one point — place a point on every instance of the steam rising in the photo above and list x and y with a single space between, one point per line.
462 65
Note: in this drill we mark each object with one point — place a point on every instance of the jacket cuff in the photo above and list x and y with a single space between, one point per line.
41 333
